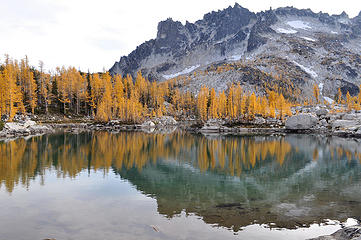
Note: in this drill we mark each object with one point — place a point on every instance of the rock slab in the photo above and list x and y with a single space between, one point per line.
301 122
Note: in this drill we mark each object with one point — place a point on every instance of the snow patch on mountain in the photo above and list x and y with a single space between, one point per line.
184 71
320 87
286 31
299 24
309 39
329 100
344 21
220 41
235 58
306 69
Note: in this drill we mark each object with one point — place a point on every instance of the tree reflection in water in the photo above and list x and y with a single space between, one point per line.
230 181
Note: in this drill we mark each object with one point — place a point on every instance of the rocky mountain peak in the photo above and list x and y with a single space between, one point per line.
170 36
168 28
344 14
358 17
317 47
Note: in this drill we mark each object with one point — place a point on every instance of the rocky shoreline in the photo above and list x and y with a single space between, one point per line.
24 128
306 120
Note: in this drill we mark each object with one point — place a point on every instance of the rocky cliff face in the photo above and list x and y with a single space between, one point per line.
317 48
175 41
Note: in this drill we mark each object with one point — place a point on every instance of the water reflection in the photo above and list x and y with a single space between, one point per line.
229 181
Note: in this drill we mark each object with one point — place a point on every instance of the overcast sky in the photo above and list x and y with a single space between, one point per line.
93 35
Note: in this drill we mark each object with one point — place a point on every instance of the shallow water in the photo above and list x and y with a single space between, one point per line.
99 185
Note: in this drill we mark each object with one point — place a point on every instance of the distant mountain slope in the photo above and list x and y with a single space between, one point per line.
304 47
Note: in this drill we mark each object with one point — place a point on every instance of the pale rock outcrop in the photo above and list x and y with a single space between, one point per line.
301 122
21 128
344 124
321 112
165 121
148 124
212 126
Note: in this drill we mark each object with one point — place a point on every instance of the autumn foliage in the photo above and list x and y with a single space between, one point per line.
240 105
103 97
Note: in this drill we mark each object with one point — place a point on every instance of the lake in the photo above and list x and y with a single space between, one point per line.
133 185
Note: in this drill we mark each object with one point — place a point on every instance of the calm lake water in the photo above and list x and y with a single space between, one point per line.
98 185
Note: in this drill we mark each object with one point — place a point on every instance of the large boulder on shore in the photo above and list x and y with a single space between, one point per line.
301 122
29 123
165 121
24 128
322 112
148 124
345 124
13 127
212 125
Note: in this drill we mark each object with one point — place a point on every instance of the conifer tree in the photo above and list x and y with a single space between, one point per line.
12 96
252 107
141 85
118 96
349 101
263 106
222 109
281 106
44 87
28 84
243 105
202 101
316 93
230 103
104 111
45 91
213 107
272 111
79 88
339 96
96 92
176 99
237 99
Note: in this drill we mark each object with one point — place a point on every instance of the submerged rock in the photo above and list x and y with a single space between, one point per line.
301 122
348 233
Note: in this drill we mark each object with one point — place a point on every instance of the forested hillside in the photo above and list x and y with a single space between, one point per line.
67 91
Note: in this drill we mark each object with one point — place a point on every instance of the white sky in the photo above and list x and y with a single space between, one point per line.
93 35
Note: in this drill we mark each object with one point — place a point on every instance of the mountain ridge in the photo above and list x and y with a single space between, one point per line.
235 34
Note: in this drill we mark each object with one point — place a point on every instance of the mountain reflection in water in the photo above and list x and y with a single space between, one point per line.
285 182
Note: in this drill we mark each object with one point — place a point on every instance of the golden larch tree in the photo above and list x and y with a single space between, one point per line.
316 93
213 105
222 106
104 111
202 101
